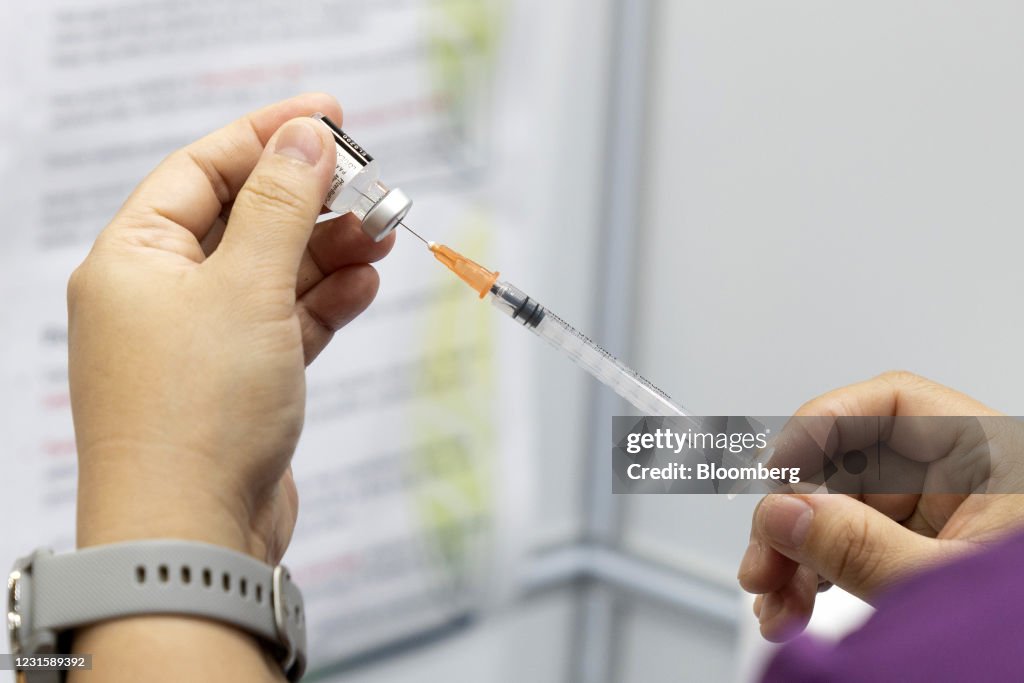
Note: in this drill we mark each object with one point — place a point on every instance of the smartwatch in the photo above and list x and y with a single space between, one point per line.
49 595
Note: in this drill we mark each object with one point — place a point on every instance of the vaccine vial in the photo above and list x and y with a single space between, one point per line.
357 188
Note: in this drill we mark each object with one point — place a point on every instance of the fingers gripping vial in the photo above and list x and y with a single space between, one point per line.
356 187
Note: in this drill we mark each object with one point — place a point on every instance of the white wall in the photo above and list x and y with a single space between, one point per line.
529 642
833 190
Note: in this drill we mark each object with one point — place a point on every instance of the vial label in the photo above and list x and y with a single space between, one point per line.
351 158
346 168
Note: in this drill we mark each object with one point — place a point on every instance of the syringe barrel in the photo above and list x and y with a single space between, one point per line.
605 367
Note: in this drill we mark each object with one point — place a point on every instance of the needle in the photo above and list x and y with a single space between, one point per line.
399 222
420 237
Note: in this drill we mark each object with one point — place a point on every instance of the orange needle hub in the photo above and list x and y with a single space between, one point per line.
469 271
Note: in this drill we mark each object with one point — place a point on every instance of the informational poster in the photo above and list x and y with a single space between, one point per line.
408 501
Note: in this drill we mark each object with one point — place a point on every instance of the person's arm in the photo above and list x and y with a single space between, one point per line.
187 368
957 622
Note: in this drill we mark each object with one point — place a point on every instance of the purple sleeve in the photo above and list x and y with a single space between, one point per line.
959 622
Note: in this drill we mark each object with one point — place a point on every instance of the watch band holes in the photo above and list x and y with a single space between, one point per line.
163 573
225 582
259 593
297 611
207 577
186 575
140 574
243 587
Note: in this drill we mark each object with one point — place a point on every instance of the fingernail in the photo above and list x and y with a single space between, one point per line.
787 521
750 559
770 608
299 140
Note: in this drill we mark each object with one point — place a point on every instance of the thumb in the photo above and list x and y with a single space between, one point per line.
845 541
274 212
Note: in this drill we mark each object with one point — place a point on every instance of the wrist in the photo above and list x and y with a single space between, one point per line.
140 497
187 605
180 648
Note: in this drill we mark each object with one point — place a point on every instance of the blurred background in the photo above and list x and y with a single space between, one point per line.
749 202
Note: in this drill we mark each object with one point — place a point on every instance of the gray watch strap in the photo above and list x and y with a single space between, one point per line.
169 577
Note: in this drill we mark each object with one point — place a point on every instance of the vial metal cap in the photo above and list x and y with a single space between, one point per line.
384 216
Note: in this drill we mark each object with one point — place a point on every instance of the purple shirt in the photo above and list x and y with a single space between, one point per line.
962 621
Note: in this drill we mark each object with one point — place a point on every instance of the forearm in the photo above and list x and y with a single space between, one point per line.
158 649
187 381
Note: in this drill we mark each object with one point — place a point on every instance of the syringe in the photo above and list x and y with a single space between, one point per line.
357 188
605 367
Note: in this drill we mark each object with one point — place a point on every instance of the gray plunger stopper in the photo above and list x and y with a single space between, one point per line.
384 216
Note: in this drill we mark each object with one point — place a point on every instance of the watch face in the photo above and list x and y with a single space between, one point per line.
14 610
